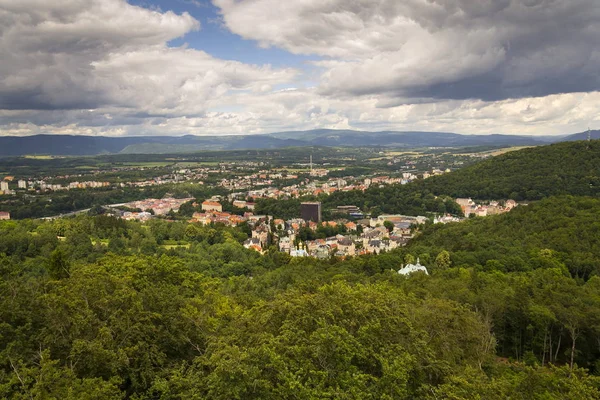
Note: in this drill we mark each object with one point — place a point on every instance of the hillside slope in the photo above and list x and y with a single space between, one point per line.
528 174
558 231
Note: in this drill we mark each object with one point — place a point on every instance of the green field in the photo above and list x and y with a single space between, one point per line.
150 164
34 157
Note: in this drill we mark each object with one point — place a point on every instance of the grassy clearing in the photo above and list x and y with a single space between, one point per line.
35 157
402 153
292 169
147 164
496 152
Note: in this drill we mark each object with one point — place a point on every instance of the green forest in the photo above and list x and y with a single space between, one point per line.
94 307
528 174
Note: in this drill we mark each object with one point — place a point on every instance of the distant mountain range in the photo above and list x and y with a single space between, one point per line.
94 145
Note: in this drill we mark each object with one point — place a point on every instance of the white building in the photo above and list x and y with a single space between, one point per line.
410 268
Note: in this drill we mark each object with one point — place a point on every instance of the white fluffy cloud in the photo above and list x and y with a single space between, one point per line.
77 54
468 66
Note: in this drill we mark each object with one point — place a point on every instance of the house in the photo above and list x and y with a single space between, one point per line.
313 245
402 228
322 252
346 246
467 206
4 215
510 204
351 226
373 234
374 246
253 243
261 233
239 203
285 244
212 206
397 241
465 202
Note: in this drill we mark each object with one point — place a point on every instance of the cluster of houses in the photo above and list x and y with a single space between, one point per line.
212 212
366 237
374 241
158 206
469 207
43 185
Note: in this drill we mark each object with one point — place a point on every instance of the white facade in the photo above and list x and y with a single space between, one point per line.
410 268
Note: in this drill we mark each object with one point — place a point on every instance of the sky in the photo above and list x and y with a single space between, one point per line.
222 67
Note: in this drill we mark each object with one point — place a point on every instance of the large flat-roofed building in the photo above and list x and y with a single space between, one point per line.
209 205
311 211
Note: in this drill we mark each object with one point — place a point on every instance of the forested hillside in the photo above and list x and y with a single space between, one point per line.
524 175
527 174
100 308
562 231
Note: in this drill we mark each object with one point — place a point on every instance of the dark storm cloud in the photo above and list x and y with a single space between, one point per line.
444 49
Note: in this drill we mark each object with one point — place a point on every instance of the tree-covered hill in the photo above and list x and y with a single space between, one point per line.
528 174
94 307
555 232
570 168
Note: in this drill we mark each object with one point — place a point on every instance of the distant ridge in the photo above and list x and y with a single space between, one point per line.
94 145
582 136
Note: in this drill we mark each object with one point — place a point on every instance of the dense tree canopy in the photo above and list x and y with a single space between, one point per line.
96 307
528 174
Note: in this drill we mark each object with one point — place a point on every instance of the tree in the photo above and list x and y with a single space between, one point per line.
389 226
442 261
58 265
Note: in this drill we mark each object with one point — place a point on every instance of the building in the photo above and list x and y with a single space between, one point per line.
253 243
346 246
410 268
348 210
239 203
467 205
4 215
22 184
4 186
311 211
212 206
